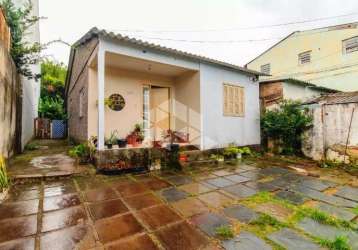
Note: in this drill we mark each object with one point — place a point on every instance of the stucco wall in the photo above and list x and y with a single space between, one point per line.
219 130
338 70
10 93
331 126
129 84
298 92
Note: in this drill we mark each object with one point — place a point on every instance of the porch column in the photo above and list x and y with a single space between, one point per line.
101 79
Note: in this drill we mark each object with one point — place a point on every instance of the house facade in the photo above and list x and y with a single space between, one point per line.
326 57
116 82
275 90
30 87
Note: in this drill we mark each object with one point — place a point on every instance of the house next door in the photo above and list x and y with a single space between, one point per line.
159 111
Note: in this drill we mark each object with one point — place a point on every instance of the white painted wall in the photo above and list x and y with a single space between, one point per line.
219 130
298 92
31 88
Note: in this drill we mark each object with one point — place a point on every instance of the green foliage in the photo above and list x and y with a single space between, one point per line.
231 151
83 151
4 179
286 125
339 243
245 151
267 220
20 20
224 232
355 210
53 77
32 146
52 108
112 138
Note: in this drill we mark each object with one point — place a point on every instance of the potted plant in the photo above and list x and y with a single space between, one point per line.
111 140
122 143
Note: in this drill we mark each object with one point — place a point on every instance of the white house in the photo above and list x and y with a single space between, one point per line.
30 88
212 102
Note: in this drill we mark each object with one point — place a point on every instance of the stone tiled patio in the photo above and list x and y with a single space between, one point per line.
173 210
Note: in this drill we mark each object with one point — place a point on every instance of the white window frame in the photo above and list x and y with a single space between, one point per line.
305 57
354 41
233 99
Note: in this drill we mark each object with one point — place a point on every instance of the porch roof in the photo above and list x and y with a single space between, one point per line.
95 32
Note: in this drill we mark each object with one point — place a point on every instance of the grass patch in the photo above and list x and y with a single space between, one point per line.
32 146
339 243
355 210
267 220
224 232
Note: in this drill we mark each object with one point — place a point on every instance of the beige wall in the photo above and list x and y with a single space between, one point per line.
130 85
327 55
184 93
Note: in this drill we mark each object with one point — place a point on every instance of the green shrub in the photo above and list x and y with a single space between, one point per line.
52 108
285 125
231 152
224 232
83 151
339 243
4 179
32 146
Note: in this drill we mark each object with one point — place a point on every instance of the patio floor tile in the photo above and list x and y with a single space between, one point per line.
338 212
107 209
140 242
179 180
292 197
11 229
158 216
219 182
153 183
117 227
190 206
59 190
241 213
252 174
348 192
317 184
24 193
181 236
237 178
60 202
21 208
21 244
222 172
275 210
204 176
87 183
209 222
246 241
63 218
100 194
291 240
131 189
197 188
240 191
142 201
173 194
261 186
215 199
77 237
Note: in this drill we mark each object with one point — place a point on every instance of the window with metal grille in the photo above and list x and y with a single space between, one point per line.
234 100
266 68
350 45
304 57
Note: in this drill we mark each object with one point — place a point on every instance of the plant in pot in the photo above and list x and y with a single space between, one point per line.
111 140
231 152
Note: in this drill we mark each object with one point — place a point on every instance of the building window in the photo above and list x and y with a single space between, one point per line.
350 45
82 96
266 68
304 57
234 100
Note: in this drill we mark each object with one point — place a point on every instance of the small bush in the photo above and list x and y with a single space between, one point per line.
32 146
4 179
224 232
339 243
83 151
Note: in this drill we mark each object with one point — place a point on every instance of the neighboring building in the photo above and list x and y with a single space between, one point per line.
334 134
326 57
212 102
30 88
275 90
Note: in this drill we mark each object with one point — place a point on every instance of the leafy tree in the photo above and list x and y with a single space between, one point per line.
286 125
52 108
20 20
53 77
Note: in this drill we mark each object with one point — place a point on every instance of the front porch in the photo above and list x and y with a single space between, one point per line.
137 103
